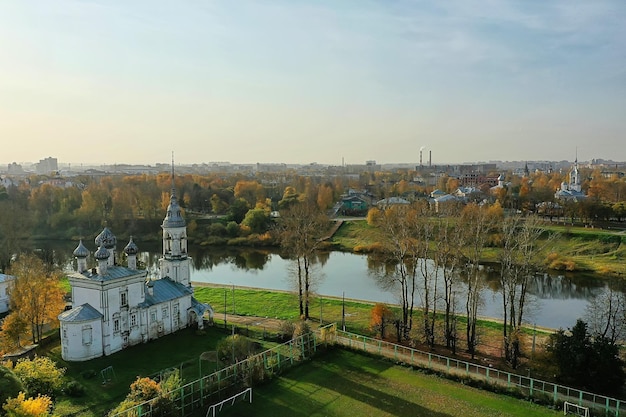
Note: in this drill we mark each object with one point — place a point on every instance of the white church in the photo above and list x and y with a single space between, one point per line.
572 189
116 306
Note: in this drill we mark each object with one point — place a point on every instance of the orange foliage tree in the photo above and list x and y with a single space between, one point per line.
381 317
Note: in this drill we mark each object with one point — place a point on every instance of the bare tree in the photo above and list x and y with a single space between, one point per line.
448 260
520 258
397 224
476 223
606 315
301 229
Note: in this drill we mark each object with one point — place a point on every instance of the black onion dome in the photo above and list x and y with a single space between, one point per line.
101 254
131 248
106 238
81 251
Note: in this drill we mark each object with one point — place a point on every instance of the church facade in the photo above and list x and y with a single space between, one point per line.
115 306
571 189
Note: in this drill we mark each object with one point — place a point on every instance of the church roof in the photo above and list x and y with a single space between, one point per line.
174 217
113 273
163 290
199 307
106 238
81 251
6 278
131 248
84 312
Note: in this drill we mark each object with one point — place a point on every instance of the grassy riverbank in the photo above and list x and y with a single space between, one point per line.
284 305
574 248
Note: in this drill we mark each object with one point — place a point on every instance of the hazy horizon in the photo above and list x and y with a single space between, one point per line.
109 82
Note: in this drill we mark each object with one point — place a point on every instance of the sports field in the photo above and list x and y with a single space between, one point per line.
343 383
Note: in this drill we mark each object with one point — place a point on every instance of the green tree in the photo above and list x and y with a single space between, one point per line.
10 385
592 363
257 220
237 210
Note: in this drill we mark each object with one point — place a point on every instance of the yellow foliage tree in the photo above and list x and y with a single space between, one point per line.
21 406
35 293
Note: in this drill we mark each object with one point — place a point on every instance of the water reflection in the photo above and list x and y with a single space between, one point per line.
557 299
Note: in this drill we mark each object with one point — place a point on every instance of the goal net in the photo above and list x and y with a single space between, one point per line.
575 409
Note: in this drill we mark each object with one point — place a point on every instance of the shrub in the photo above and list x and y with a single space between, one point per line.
74 389
40 375
285 330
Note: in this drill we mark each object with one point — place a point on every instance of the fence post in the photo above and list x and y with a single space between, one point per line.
291 350
429 359
556 393
532 385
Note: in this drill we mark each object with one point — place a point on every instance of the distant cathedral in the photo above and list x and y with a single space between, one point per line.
571 190
116 306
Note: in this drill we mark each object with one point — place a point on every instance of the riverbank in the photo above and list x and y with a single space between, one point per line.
573 249
256 306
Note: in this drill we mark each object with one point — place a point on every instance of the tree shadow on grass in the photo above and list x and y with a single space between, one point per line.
330 387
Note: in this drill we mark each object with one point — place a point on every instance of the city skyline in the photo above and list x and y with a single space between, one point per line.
301 82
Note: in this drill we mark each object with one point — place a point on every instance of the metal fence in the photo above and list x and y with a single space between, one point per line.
226 382
527 386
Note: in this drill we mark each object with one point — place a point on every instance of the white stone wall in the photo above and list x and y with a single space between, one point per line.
81 341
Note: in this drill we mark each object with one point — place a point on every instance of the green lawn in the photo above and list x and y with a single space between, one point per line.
343 383
182 348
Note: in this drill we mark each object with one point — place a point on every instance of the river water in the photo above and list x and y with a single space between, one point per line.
556 301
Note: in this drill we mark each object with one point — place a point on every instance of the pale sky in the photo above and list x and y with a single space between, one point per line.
109 81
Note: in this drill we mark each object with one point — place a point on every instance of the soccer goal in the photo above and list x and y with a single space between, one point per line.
577 410
215 408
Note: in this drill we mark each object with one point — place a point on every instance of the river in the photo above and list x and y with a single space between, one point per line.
556 301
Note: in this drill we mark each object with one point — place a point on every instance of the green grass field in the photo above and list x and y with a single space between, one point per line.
343 383
172 351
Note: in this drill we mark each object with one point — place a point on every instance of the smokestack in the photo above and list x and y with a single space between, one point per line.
420 158
430 158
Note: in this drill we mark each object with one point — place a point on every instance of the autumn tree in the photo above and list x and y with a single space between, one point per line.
14 328
162 395
301 228
39 375
35 293
20 406
382 316
251 191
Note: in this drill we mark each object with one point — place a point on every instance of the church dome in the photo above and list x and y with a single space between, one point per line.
174 217
106 238
101 254
81 251
131 248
